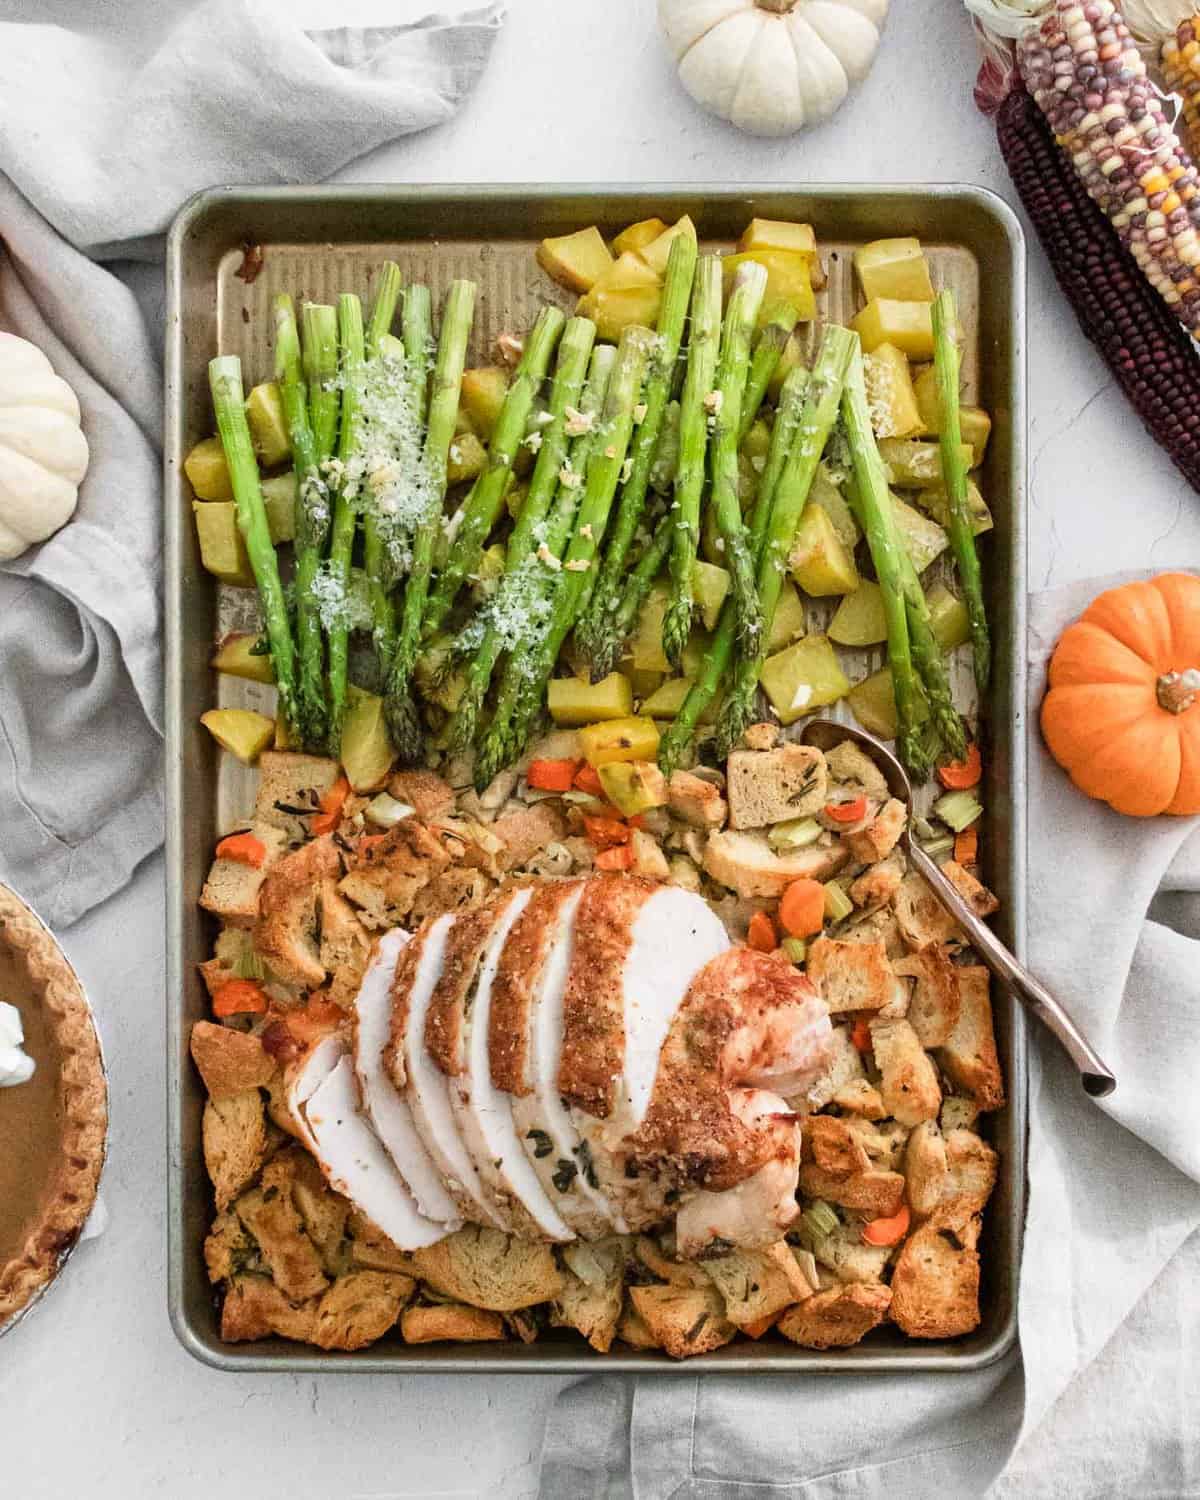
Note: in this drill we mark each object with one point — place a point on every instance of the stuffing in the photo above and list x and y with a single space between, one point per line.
876 886
490 1269
860 1097
452 1323
527 832
879 838
666 1267
456 889
935 1286
227 1247
632 1329
872 927
837 1318
970 1176
386 878
758 1284
684 1320
272 1218
958 1113
921 916
747 864
591 1308
648 859
908 1080
833 1146
844 1253
853 976
359 1308
853 769
424 791
884 1143
977 896
969 1055
324 1212
773 786
345 945
764 736
934 1006
697 802
229 1062
876 1193
290 788
844 1069
234 1132
925 1168
255 1308
232 888
285 934
371 1248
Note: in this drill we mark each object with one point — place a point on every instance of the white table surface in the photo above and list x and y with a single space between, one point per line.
96 1397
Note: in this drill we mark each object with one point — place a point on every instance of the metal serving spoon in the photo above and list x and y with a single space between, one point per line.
1097 1080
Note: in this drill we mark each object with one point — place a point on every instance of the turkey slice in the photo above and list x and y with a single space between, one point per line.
425 1087
543 1123
324 1103
385 1106
485 1113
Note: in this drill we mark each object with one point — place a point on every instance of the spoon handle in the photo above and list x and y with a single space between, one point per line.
1096 1077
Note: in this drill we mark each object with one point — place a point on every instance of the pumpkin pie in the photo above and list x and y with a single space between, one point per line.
53 1120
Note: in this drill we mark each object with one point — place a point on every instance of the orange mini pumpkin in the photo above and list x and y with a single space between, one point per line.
1122 714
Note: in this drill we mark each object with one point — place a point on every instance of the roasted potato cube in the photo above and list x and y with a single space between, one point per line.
482 397
890 394
709 585
924 539
975 423
279 502
241 731
789 622
576 260
628 293
222 551
367 750
466 459
833 502
819 561
236 657
907 325
915 464
638 236
658 251
933 500
633 786
646 647
781 234
802 678
873 702
574 701
860 619
789 279
894 268
619 739
268 424
666 701
207 471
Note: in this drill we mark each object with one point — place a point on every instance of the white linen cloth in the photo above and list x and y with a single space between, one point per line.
106 126
1101 1402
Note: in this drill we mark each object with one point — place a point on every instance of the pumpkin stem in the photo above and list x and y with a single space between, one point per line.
1177 691
777 7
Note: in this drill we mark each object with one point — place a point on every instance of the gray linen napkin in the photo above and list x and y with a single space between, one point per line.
105 133
1101 1401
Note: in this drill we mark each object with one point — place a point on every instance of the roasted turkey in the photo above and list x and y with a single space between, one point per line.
572 1059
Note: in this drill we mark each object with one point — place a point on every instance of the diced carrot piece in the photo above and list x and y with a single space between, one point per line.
760 1326
606 833
239 997
762 936
331 808
959 775
802 908
847 812
619 857
966 846
860 1035
244 849
551 775
314 1019
888 1231
587 779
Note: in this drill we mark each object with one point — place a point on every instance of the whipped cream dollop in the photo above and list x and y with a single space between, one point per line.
16 1066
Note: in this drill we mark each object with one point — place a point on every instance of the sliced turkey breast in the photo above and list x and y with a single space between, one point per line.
485 1113
324 1102
425 1088
541 946
385 1105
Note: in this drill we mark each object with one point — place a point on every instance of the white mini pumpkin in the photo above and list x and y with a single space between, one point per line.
43 452
772 66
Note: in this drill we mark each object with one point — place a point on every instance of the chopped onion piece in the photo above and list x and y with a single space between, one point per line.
385 811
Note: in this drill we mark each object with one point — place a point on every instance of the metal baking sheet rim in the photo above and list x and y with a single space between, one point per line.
187 1283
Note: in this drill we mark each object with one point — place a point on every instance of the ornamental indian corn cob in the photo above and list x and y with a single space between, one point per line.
1169 30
